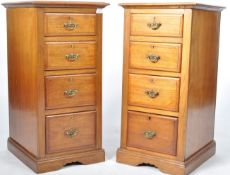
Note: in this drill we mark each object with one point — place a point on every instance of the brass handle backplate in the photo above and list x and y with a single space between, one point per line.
70 93
70 25
152 93
72 132
72 57
153 58
149 134
154 25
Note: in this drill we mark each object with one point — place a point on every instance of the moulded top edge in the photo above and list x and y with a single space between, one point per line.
172 5
53 4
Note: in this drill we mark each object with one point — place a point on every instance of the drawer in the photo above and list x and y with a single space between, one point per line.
69 24
70 132
70 91
152 132
70 55
157 24
154 92
155 56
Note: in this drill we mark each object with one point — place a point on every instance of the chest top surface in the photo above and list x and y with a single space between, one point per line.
55 4
173 5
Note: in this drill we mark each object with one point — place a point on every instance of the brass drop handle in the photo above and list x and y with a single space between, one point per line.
72 132
70 93
154 25
152 93
72 57
153 58
149 134
70 25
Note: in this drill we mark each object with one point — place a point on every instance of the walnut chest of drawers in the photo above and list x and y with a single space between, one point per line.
169 85
54 65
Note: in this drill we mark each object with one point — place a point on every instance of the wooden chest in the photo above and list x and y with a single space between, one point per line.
169 85
54 65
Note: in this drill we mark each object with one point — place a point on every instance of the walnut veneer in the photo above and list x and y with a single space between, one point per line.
169 85
54 65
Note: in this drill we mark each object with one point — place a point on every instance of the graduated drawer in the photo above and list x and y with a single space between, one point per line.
152 132
157 24
155 56
70 132
70 91
69 24
154 92
70 55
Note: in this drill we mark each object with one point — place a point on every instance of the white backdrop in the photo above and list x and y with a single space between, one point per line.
112 83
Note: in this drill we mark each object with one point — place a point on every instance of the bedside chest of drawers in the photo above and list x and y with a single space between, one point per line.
54 65
169 85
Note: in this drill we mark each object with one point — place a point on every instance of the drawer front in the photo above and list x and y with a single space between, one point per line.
69 24
157 24
155 56
154 92
70 91
70 132
70 55
152 132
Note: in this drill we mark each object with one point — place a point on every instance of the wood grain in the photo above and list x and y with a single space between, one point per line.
168 166
169 56
57 125
125 79
168 89
56 162
38 73
202 88
85 85
56 55
164 127
171 25
54 24
23 107
190 87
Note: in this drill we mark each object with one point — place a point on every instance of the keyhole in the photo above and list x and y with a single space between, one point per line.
149 117
152 81
71 79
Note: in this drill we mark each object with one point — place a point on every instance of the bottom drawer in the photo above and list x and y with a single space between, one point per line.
70 132
152 132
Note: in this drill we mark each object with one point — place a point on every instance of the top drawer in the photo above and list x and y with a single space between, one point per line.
157 24
69 24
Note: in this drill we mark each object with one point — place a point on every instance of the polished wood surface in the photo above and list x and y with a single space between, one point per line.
84 85
167 89
189 83
169 56
56 4
202 88
166 165
170 25
54 24
55 162
23 64
172 5
57 55
165 129
57 126
48 89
